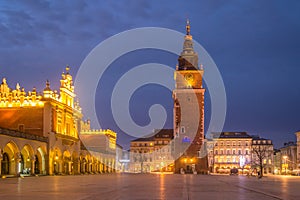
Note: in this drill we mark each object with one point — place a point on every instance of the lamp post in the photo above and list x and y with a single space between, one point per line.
285 163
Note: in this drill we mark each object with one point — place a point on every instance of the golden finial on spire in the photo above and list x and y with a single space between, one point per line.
188 27
67 69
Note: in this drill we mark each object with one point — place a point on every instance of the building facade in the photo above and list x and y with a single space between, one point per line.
229 150
298 148
262 160
188 120
152 154
40 131
288 158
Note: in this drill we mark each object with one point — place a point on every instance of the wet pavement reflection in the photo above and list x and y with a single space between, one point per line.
150 186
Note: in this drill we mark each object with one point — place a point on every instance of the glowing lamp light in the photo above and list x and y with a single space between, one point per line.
242 161
186 140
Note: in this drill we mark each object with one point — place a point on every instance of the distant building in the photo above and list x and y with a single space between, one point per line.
289 157
100 143
298 148
262 155
229 150
277 161
153 153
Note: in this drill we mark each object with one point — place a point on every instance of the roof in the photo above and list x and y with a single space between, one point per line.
158 134
143 139
289 144
231 135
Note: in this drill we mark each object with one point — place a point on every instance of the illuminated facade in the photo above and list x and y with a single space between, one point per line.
42 129
288 155
229 150
188 120
298 149
152 154
100 144
262 150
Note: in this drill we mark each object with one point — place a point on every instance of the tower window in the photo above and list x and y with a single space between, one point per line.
182 129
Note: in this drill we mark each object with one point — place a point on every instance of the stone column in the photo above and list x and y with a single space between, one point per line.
48 165
32 165
1 157
17 161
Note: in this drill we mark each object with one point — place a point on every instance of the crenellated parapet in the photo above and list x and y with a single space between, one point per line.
111 135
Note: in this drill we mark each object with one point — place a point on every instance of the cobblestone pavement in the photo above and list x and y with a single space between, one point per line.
150 186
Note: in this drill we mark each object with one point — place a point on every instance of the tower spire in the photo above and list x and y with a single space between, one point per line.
188 27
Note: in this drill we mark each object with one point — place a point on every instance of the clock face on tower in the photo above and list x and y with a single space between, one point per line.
189 77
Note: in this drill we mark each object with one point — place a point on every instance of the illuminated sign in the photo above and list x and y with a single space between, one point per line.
186 140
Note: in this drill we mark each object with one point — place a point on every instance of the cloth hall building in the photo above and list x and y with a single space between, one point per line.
40 133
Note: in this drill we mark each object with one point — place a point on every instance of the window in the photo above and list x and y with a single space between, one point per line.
68 129
240 152
239 143
246 152
182 129
233 151
216 152
233 143
21 127
228 152
265 161
246 143
221 151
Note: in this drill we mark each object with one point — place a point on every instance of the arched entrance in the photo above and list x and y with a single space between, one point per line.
11 159
39 163
5 164
56 159
27 160
67 163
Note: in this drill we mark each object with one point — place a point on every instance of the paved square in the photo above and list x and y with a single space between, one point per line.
150 186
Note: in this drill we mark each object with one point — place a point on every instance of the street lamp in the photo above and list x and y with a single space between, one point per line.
285 163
